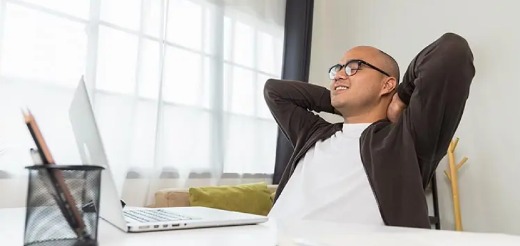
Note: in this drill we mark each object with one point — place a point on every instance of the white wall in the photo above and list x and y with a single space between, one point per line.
489 131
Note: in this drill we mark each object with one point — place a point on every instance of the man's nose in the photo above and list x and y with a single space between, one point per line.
341 74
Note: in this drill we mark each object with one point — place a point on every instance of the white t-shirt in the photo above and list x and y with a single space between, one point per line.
330 184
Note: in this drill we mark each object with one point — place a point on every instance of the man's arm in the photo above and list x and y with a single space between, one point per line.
435 87
291 103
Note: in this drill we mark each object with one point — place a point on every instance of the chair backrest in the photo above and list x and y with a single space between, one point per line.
435 219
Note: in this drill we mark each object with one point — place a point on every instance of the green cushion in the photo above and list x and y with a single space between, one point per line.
248 198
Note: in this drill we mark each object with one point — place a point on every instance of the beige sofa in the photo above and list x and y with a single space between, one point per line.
180 197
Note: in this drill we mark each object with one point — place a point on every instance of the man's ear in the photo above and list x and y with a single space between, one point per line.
389 86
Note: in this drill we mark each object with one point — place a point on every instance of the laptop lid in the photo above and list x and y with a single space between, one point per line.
90 147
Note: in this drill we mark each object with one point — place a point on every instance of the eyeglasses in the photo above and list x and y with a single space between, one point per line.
352 67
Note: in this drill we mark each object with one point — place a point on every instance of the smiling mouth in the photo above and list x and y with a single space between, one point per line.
340 88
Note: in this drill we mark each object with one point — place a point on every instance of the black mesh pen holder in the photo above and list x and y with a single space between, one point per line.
62 204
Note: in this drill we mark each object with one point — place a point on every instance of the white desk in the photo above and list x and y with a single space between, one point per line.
303 233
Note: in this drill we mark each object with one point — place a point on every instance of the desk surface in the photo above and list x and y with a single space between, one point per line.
303 233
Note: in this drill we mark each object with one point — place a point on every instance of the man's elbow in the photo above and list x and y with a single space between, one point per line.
459 53
270 88
456 46
269 84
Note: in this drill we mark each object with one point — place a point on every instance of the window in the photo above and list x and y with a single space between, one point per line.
176 84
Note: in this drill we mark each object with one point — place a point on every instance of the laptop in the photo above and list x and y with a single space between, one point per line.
127 219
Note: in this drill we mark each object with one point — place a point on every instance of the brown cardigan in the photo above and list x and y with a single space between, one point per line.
399 159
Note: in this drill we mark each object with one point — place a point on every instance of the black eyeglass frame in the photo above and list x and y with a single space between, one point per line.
352 72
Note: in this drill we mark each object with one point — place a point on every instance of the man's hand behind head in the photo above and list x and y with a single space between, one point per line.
395 108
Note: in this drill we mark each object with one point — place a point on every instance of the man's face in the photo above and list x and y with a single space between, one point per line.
363 88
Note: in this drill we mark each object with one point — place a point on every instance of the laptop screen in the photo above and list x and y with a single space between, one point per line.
88 138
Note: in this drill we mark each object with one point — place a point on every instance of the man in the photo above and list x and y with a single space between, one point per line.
374 167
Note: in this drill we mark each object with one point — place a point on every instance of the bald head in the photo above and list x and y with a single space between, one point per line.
375 57
390 65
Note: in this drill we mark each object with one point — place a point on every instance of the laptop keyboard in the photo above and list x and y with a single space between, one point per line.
158 215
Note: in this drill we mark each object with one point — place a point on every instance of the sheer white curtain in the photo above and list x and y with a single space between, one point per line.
177 85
